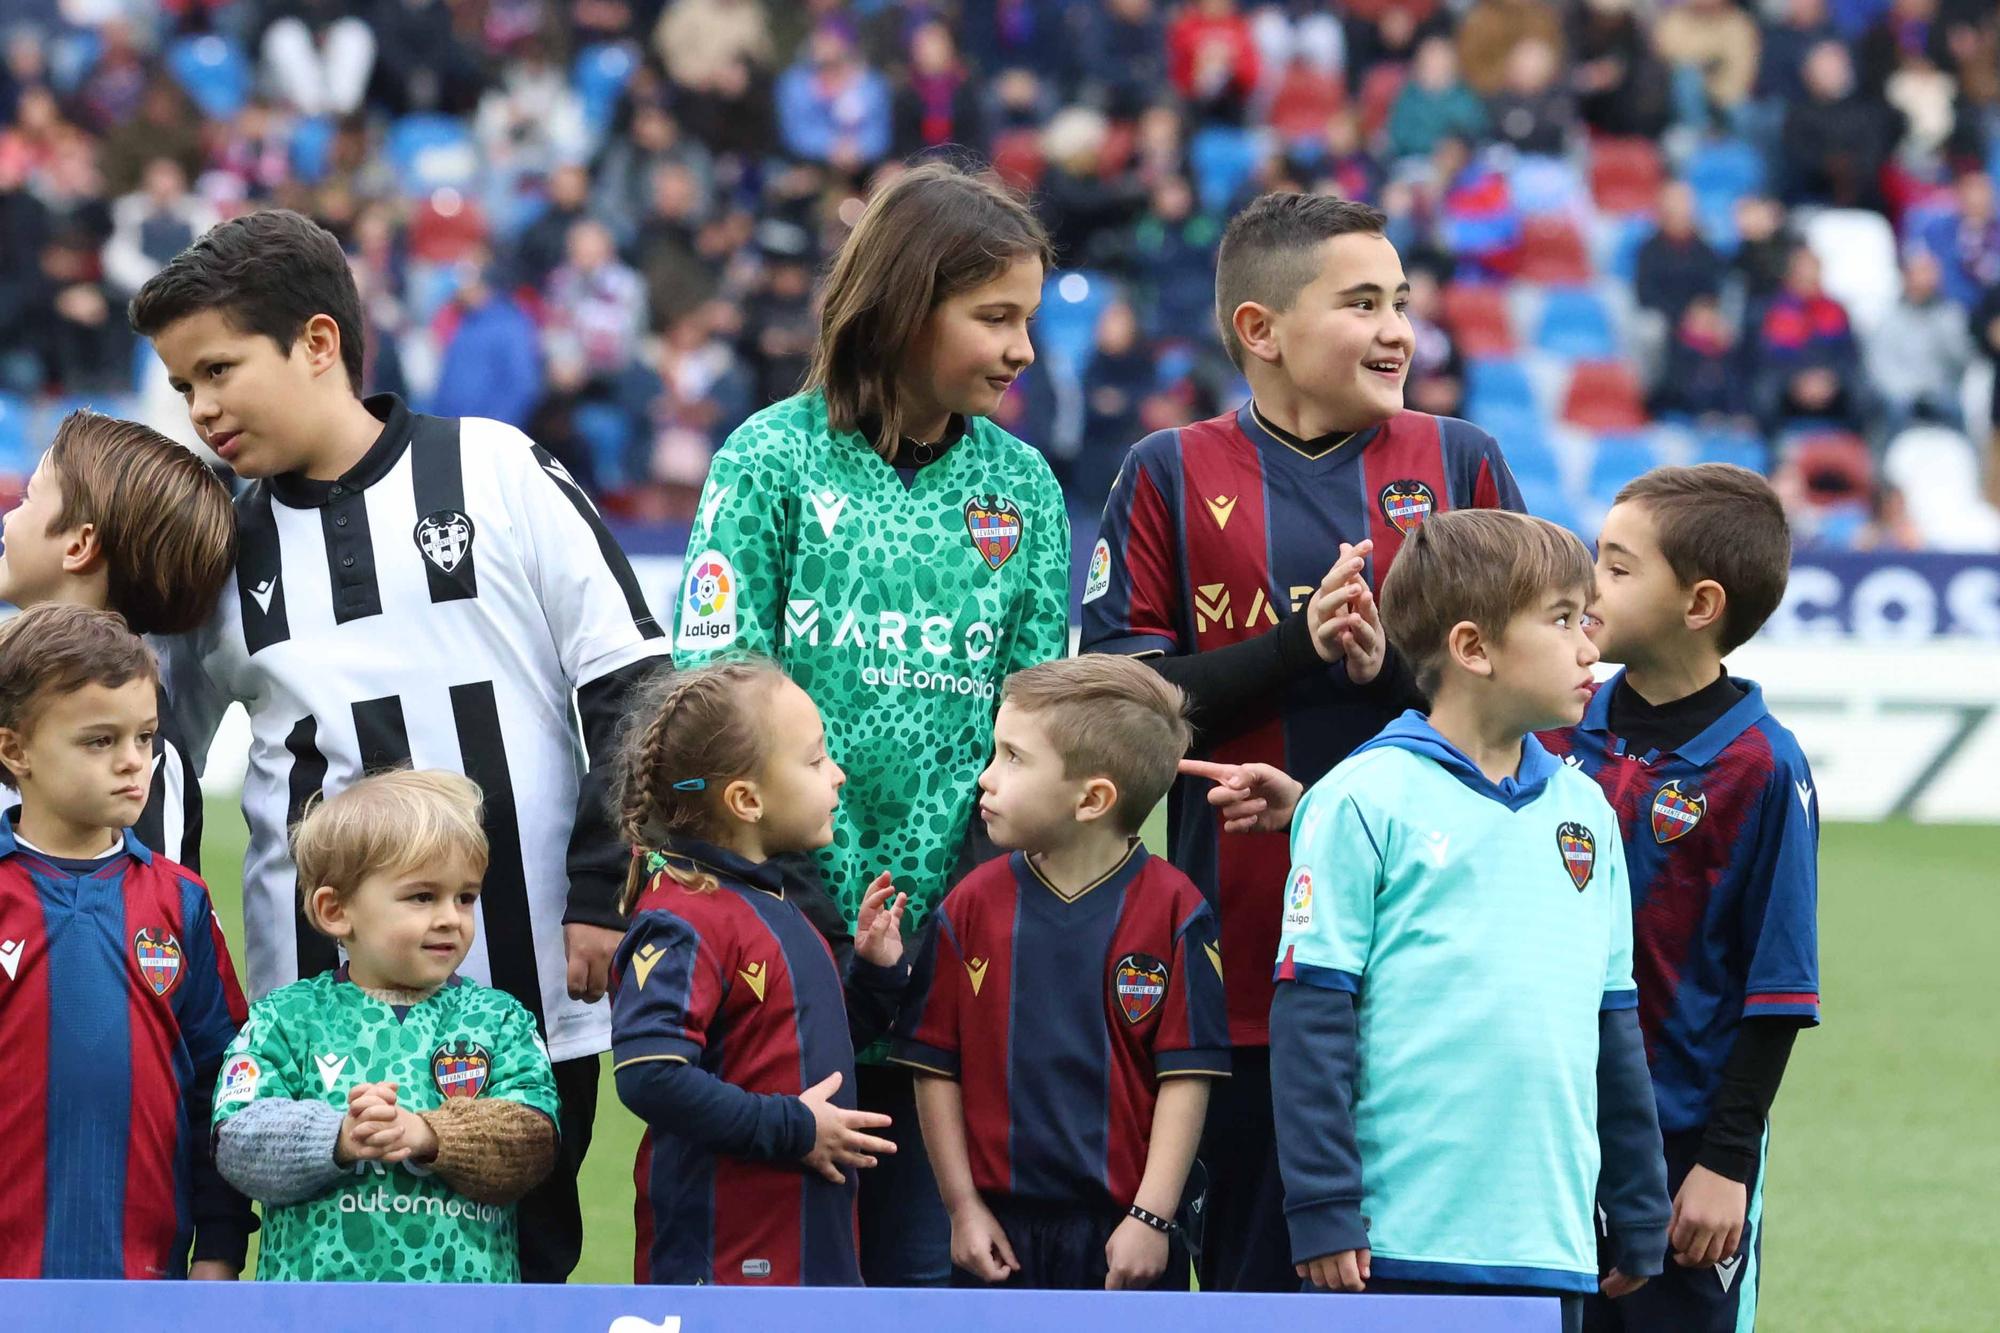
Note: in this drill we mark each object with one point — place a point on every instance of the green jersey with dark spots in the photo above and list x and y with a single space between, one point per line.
900 608
313 1041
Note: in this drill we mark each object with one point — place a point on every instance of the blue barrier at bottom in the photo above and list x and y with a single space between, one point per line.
38 1306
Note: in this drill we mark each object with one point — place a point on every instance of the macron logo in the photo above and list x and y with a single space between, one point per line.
10 956
1804 790
264 592
1437 846
827 507
715 500
329 1069
1727 1272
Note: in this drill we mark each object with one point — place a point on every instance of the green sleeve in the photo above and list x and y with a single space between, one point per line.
259 1064
521 1071
1043 632
732 594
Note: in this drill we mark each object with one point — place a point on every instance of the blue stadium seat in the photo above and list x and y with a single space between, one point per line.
14 449
432 153
1541 185
1546 498
1576 325
1724 169
1617 242
1223 159
608 432
1066 328
1494 383
600 77
1618 459
312 148
72 57
214 71
1741 447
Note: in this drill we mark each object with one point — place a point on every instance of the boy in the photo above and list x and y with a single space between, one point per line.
1721 831
117 997
392 1086
1454 1041
120 517
404 583
1215 537
1072 1012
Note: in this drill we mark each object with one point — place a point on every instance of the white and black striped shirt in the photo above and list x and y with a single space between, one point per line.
453 601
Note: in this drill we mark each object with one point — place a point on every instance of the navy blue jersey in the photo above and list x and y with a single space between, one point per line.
1213 533
1722 843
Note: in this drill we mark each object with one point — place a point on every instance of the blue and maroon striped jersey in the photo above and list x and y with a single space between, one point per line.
1213 533
1059 1015
1722 843
737 983
117 999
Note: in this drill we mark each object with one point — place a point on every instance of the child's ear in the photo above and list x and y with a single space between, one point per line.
1467 647
1253 325
13 753
325 910
1707 601
320 341
1099 798
744 801
82 552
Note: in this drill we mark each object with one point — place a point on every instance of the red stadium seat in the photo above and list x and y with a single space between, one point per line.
1553 251
1605 396
1017 158
1625 175
1476 313
1378 94
1836 467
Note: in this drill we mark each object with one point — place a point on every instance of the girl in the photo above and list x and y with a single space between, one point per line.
899 555
729 1034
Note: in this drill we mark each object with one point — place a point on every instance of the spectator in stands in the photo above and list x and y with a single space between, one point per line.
1346 168
1712 46
1300 100
152 225
253 152
1986 336
420 63
1890 526
1836 140
117 81
628 169
704 393
1085 209
1966 238
1122 374
1492 29
701 40
1902 29
1383 35
1919 354
734 115
531 120
1705 377
938 102
1785 43
167 125
318 55
596 306
1675 264
832 108
491 361
669 251
1765 241
23 65
24 292
1434 104
1127 43
85 345
1621 85
1437 369
1810 362
1533 112
779 324
1212 61
542 245
37 130
1173 263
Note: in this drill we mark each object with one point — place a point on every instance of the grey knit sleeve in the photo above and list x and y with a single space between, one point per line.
280 1151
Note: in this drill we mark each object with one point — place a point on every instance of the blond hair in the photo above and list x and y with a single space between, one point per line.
388 823
1112 717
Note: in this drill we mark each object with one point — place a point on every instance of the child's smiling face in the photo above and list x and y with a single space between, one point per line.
971 348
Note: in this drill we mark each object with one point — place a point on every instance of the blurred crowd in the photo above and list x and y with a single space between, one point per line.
1637 232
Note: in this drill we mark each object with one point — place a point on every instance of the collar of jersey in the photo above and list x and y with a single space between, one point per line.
725 864
1259 430
1713 740
297 491
10 845
1027 872
1413 732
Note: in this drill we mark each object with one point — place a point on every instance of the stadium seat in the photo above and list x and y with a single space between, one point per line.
312 148
1604 396
1546 186
1017 158
1223 159
1066 328
1836 467
14 434
1615 243
1476 314
1858 262
607 431
600 76
432 152
1492 382
1379 91
1619 458
1553 251
1545 498
1743 448
1576 325
214 72
73 55
445 228
1625 175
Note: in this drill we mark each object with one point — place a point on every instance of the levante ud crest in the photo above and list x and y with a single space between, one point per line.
1675 812
460 1069
444 537
158 955
994 524
1140 981
1407 504
1579 853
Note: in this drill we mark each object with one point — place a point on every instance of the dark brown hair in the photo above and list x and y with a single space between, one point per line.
387 823
688 735
1270 251
1482 565
1722 522
58 648
934 232
1112 717
163 520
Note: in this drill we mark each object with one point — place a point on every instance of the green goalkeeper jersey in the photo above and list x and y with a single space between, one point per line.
313 1041
898 601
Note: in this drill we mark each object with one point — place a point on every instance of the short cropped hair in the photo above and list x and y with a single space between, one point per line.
1111 717
1482 565
58 648
163 520
1722 522
267 273
1270 252
389 823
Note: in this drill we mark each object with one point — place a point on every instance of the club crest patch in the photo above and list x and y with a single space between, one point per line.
158 955
1675 812
460 1068
1579 852
1407 504
444 536
994 524
1140 981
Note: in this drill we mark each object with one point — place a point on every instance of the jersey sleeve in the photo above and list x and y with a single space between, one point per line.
1489 483
521 1071
1042 633
1780 926
1131 589
1620 991
668 989
927 1036
733 587
1193 1036
260 1063
210 1008
1329 905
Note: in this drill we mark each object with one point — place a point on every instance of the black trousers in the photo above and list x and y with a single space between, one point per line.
549 1219
1244 1244
1061 1248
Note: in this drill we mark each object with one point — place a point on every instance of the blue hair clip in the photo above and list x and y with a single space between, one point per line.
691 784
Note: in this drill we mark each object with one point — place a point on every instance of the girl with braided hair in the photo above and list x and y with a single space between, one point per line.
731 1036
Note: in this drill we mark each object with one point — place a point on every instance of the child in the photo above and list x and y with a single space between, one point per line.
1216 537
389 1115
1721 830
1062 1158
120 517
1454 1040
408 590
730 1038
899 555
118 997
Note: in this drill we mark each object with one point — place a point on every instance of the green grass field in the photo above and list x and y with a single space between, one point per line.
1885 1164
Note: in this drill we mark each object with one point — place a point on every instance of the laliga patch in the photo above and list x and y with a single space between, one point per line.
1098 582
1140 981
708 602
1407 504
158 954
1299 899
1579 853
1675 813
460 1068
444 536
994 524
238 1082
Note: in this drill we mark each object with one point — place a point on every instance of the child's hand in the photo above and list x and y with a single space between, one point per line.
1616 1284
364 1095
1345 1271
403 1136
1332 610
837 1132
1252 798
1134 1256
1708 1219
878 930
360 1121
979 1244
